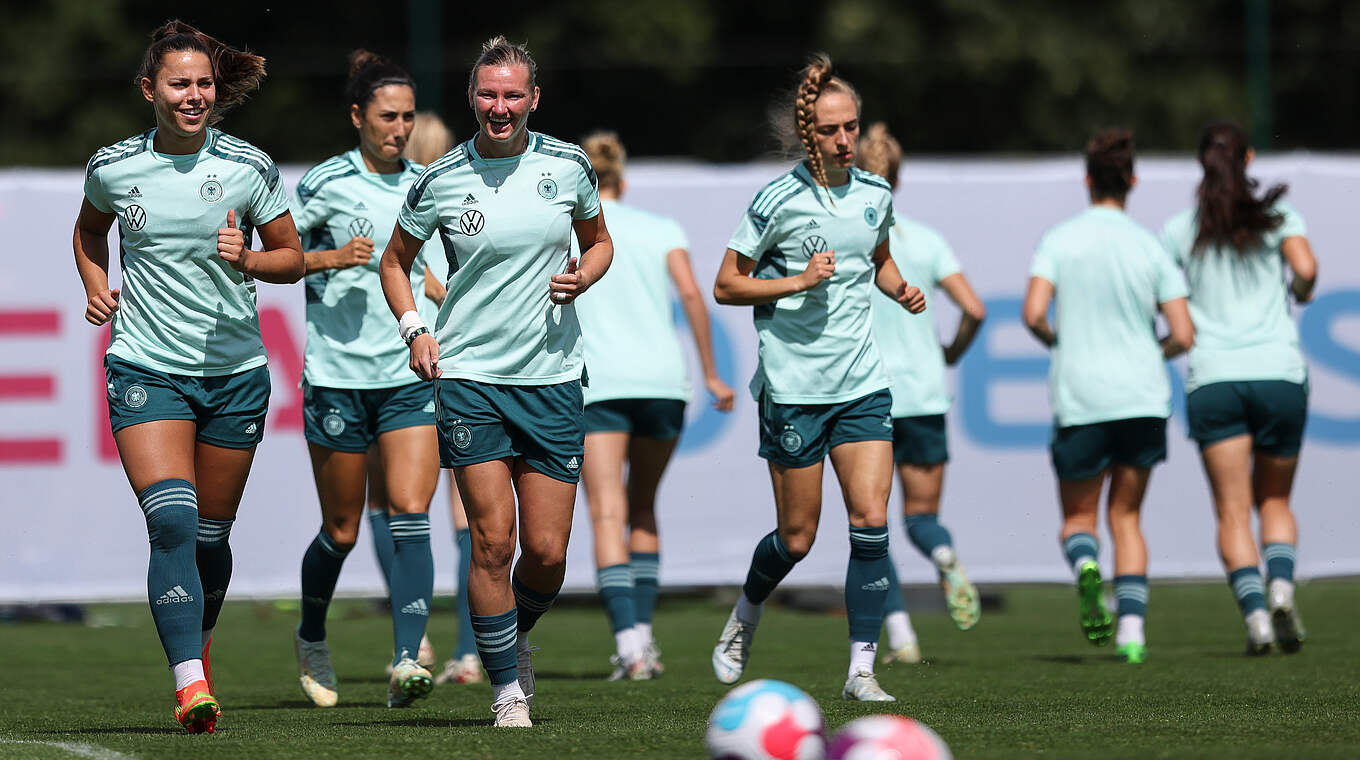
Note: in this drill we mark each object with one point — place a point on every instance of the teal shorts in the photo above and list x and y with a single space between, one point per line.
658 418
801 435
229 410
351 419
1272 412
1081 452
541 424
920 440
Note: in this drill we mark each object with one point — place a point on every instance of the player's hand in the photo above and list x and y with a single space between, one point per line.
425 357
820 267
101 306
911 298
231 243
723 396
565 287
356 253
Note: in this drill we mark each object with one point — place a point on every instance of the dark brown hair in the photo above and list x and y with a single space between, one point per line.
1229 211
607 156
880 153
235 72
1109 164
499 51
369 72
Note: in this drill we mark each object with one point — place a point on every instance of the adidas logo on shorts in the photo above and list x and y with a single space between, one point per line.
418 607
176 595
879 585
573 464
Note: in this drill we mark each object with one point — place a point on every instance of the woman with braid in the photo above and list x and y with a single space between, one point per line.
807 255
1248 382
187 382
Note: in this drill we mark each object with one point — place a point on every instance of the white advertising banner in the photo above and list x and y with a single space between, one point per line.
72 529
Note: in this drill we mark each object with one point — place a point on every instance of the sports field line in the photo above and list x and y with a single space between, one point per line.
75 748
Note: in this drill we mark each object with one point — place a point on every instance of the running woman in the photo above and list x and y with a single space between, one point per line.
187 381
1248 384
806 255
915 360
357 389
1108 382
508 353
635 405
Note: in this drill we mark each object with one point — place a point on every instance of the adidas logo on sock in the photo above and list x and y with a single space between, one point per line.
879 585
869 647
469 200
573 464
418 607
176 595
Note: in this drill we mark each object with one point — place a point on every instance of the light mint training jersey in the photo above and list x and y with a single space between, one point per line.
816 346
1239 303
352 341
631 347
910 344
1109 276
183 309
506 227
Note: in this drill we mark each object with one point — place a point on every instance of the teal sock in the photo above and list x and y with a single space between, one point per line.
1080 547
927 534
382 544
616 589
495 636
1280 561
1131 591
770 562
320 570
893 602
646 567
467 643
213 557
866 581
412 582
172 584
530 603
1248 588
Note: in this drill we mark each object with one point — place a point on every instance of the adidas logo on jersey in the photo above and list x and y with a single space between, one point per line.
418 607
812 225
361 206
469 200
134 192
573 464
176 595
879 585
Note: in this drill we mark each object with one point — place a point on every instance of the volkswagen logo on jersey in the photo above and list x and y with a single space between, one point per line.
210 191
814 244
871 216
135 216
361 227
471 222
547 189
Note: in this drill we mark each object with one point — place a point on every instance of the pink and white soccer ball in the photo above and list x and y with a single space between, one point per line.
887 737
766 720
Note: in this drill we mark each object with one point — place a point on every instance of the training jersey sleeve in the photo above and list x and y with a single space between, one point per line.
268 200
671 236
309 208
1292 226
1045 263
419 215
94 190
885 220
1171 283
587 196
945 264
754 234
1178 236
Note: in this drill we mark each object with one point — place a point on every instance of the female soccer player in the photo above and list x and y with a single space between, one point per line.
357 389
805 256
508 360
187 382
635 405
1248 383
1108 381
915 362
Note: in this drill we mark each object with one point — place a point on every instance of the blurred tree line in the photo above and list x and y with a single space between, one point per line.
696 78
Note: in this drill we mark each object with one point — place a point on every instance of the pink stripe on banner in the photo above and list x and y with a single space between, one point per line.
37 322
30 451
27 386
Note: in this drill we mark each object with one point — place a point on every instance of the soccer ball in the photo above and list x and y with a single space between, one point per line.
766 720
887 737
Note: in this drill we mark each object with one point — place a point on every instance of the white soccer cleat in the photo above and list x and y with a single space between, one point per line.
465 669
909 653
512 713
863 687
1284 616
409 682
314 671
524 667
425 657
629 670
652 656
1260 633
733 649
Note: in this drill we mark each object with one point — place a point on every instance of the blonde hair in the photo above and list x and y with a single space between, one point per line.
814 79
499 51
429 139
606 154
880 153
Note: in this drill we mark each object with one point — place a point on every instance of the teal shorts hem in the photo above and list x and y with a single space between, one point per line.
227 410
921 440
660 419
1273 412
542 425
801 435
1082 452
351 419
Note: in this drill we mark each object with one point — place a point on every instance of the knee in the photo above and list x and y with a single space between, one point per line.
493 555
546 552
172 527
342 531
798 542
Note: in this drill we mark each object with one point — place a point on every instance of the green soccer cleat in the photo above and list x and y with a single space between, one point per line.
1132 652
960 594
1096 621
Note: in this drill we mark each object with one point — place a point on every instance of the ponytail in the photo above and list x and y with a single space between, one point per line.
880 153
1229 213
369 72
607 156
235 72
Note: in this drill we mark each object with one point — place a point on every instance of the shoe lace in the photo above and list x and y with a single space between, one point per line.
503 709
738 641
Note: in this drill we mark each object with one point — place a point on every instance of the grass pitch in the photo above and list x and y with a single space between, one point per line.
1022 684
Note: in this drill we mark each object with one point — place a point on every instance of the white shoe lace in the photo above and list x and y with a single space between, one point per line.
512 712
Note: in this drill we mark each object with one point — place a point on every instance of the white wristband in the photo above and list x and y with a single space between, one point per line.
410 321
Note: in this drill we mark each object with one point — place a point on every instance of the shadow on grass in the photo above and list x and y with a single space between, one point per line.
561 675
433 723
112 730
1073 659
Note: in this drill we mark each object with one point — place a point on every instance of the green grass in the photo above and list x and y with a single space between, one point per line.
1024 683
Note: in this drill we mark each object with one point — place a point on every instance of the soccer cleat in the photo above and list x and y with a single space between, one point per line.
196 708
1289 630
909 653
409 682
629 670
425 656
314 671
1260 633
465 669
1132 652
863 687
959 594
1096 621
651 655
524 673
733 649
512 713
